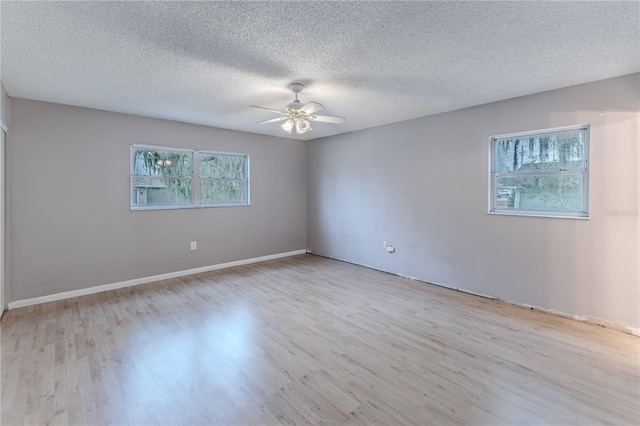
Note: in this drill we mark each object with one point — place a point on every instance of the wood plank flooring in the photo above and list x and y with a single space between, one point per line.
309 340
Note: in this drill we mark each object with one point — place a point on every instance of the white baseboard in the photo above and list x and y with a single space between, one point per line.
144 280
583 318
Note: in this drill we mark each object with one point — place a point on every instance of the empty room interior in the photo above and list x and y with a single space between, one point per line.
320 213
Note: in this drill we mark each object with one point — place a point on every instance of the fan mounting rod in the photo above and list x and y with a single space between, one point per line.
296 88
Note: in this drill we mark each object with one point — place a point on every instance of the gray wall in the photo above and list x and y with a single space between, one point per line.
422 185
69 221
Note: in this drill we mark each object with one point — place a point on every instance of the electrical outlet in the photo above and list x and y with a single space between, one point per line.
194 245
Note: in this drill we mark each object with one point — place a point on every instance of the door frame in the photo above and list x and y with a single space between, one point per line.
3 144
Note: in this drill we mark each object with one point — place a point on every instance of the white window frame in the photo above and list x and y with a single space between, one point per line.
493 175
194 178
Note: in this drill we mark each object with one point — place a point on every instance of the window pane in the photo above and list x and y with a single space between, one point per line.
154 191
547 192
222 166
154 162
223 191
559 151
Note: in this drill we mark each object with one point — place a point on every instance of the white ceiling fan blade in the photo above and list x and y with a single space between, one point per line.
268 109
311 107
327 119
273 120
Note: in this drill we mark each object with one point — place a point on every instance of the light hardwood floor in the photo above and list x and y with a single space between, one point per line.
309 340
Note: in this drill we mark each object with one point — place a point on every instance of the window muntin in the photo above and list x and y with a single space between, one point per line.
541 173
166 178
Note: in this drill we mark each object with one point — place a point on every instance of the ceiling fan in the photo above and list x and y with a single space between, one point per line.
298 116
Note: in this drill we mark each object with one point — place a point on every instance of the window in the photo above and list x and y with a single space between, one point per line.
161 177
223 179
542 173
164 178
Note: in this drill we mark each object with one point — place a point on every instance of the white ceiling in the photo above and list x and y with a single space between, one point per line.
373 63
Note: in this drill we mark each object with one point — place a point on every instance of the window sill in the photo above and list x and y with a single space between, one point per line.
133 209
543 215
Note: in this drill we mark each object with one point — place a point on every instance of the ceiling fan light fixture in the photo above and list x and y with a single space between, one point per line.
302 125
287 126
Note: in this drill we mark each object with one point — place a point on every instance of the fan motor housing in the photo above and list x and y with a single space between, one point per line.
295 104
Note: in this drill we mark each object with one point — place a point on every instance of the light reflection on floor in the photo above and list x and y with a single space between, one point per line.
178 367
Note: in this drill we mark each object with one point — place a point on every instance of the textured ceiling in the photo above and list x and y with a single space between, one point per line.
373 63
